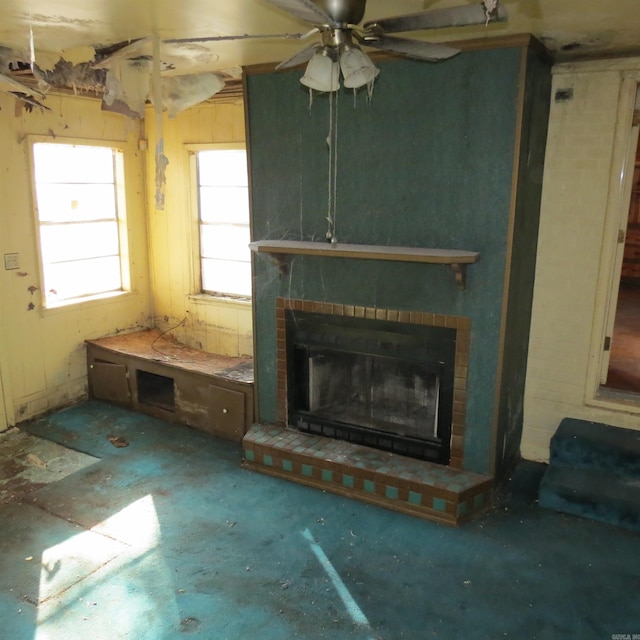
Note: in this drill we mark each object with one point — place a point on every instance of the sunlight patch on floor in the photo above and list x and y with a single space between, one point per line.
117 571
352 607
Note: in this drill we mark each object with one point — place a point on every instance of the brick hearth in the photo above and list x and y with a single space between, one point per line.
432 491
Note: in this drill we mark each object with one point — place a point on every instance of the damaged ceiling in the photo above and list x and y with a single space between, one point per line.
118 48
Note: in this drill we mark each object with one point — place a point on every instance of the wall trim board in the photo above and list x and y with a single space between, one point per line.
509 257
479 44
632 64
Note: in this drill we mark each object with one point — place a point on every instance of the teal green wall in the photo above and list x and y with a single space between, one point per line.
428 162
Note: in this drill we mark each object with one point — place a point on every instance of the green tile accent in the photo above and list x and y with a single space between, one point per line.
267 460
249 455
463 508
287 465
415 497
307 470
347 481
439 504
327 475
369 486
392 492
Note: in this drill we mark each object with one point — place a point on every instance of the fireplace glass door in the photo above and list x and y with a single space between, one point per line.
385 385
374 392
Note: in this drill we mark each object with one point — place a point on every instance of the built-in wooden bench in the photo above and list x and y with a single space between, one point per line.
151 372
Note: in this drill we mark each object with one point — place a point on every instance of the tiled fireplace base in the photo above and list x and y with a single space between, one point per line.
431 491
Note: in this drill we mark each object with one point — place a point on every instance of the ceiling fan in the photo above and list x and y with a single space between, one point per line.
337 22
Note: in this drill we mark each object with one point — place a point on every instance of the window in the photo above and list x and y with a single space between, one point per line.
223 204
78 214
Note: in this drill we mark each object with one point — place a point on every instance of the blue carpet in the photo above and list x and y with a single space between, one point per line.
594 473
197 547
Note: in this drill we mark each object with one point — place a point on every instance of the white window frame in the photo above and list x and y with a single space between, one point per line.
198 290
121 216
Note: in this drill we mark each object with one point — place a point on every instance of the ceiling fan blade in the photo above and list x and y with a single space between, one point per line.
302 56
304 10
419 49
437 19
246 36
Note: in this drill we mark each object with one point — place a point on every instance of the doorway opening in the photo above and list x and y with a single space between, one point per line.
623 372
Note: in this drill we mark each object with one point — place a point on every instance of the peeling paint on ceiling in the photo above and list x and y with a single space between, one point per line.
60 25
72 41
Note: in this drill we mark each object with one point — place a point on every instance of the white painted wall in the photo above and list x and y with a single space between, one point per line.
580 217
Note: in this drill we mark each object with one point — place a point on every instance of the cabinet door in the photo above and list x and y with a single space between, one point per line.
108 381
226 410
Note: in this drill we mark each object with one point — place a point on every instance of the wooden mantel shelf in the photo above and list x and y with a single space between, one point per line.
280 249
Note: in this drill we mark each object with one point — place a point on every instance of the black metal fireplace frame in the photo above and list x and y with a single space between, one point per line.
427 345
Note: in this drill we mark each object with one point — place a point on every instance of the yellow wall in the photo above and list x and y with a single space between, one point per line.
42 352
582 210
215 325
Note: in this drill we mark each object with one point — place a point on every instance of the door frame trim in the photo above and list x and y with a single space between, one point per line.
616 214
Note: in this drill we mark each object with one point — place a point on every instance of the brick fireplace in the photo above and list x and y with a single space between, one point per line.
365 463
453 185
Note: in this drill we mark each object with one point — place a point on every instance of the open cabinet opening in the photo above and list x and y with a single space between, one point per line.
156 390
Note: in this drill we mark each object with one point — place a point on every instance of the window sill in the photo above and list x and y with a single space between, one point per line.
78 303
614 400
206 299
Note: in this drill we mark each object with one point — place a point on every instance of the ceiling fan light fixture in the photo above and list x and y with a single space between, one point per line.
357 68
322 73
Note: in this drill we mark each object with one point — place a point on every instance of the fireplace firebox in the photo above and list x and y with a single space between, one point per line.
377 382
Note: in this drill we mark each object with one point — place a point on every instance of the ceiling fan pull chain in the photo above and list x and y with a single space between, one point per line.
334 238
329 234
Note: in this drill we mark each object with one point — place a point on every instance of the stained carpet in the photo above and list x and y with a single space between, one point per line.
166 536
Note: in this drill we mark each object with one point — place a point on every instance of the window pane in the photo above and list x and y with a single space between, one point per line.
225 242
224 216
224 204
72 163
220 276
75 202
81 278
65 242
77 206
223 167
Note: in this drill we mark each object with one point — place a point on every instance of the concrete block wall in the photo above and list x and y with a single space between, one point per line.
580 216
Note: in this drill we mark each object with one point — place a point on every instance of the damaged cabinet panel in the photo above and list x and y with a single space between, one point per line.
109 381
226 411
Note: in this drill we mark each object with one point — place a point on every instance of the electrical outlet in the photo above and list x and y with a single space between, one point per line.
11 261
